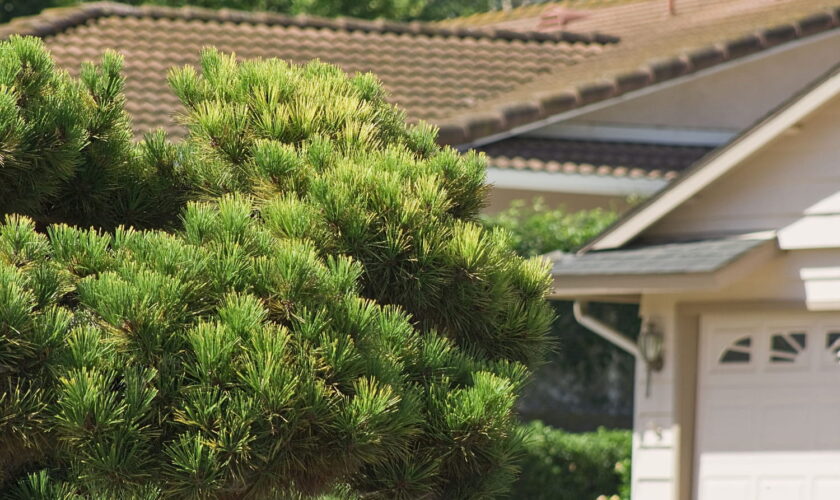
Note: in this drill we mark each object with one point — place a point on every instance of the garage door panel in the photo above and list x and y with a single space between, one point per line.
826 488
727 488
781 488
786 427
730 429
828 419
728 350
767 416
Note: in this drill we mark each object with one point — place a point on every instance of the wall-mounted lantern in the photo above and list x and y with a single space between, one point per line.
651 344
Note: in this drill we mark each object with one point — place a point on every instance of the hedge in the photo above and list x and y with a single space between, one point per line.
562 466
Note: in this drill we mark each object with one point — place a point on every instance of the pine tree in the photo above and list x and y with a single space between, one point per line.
325 316
66 145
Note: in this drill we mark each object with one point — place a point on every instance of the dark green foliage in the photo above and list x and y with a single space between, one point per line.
587 381
563 466
573 390
326 316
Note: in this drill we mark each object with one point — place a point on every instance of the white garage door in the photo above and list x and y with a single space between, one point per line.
768 418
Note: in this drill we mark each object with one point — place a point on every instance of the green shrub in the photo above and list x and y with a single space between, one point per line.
326 316
564 466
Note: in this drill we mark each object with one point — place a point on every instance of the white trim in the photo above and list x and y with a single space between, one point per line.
822 287
811 231
719 164
678 136
823 306
819 273
548 182
650 89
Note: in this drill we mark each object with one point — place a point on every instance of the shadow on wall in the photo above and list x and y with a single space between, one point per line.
587 382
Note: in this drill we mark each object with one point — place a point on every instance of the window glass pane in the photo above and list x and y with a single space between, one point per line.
745 342
735 357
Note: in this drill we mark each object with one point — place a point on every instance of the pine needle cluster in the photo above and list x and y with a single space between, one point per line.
297 300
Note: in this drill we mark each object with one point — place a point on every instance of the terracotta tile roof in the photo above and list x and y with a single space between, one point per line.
430 72
620 159
473 83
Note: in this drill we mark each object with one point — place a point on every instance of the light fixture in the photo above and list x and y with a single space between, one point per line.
651 344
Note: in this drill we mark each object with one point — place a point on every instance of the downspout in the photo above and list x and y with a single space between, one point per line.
607 332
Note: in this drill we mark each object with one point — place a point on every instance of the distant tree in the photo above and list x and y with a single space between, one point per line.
537 229
399 10
388 9
559 465
323 311
434 10
15 8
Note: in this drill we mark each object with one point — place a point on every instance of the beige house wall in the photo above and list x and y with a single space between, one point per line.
796 177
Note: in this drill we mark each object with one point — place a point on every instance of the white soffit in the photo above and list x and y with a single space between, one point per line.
718 164
637 134
558 182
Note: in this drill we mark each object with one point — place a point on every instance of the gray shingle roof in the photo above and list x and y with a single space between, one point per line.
690 257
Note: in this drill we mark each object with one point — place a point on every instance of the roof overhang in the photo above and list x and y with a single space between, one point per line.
630 286
579 108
